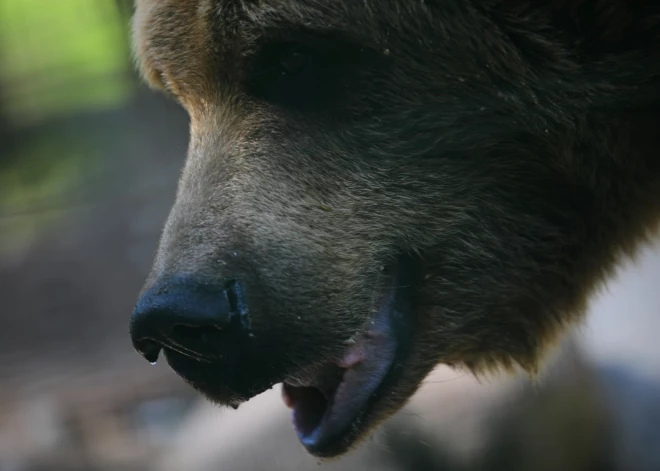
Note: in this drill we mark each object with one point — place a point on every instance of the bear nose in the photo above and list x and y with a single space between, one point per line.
188 316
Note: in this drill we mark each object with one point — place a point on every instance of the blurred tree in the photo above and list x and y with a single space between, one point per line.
60 57
59 60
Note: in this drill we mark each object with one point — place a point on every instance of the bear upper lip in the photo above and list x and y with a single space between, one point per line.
331 404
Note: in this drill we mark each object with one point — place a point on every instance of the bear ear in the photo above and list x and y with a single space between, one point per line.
608 25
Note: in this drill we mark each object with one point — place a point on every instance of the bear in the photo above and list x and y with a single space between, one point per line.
373 188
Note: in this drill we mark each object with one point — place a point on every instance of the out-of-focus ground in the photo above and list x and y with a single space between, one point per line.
88 167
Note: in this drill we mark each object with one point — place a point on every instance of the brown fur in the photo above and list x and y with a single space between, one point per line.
509 145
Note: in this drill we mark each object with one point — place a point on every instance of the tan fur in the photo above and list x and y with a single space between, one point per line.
509 146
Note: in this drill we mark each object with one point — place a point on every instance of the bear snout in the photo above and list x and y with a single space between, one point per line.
194 318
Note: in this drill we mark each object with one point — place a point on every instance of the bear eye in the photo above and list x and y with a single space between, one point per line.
298 76
293 61
317 74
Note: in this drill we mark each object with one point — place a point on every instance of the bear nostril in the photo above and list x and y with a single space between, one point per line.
193 317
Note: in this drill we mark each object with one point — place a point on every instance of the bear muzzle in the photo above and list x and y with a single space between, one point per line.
204 331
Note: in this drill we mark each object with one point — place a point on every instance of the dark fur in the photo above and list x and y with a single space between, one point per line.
510 145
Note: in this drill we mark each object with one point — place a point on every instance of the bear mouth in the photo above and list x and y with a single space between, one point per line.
332 404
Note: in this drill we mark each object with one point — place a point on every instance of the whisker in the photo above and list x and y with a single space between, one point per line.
186 352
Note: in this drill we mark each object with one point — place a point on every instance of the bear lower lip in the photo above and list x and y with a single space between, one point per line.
331 407
322 414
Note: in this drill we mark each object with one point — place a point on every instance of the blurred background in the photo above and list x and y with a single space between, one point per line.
89 160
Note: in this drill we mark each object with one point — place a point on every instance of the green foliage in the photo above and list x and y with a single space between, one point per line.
35 191
58 58
61 56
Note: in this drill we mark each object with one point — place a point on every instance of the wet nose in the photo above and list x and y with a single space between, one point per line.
188 316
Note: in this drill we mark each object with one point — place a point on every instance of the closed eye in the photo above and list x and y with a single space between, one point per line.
309 76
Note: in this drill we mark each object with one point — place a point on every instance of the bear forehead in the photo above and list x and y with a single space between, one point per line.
193 47
234 25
